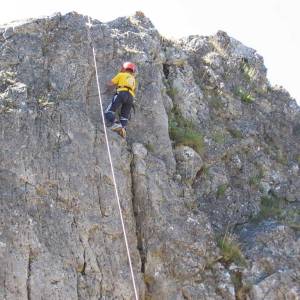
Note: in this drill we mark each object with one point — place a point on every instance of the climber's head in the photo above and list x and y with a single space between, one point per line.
129 66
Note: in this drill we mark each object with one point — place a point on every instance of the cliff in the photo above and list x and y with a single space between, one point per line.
208 176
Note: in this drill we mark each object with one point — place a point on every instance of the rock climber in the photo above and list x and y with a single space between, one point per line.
125 84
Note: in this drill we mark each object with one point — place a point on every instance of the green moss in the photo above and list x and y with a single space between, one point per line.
184 132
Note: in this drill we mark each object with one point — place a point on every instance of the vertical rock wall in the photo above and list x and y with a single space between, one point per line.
60 233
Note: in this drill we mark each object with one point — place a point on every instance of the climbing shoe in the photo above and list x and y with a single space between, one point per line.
122 132
116 126
119 129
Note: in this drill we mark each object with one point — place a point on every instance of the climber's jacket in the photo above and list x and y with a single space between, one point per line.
125 81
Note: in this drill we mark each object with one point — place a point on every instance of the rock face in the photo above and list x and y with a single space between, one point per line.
208 177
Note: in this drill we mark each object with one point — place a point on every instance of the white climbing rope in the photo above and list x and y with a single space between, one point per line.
89 25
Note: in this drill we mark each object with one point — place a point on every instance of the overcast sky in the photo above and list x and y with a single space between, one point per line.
269 26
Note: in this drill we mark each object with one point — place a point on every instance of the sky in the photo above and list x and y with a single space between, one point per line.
271 27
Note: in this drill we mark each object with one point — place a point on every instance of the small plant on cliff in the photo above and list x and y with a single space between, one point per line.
184 132
172 92
6 79
270 207
256 179
249 71
242 290
221 190
245 96
231 251
44 101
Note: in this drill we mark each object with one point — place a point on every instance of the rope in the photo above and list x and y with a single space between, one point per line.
89 25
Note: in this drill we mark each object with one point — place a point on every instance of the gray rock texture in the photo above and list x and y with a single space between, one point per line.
212 213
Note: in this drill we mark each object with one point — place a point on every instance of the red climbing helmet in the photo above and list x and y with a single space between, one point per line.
129 66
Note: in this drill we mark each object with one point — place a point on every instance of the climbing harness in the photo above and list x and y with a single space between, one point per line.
89 25
124 86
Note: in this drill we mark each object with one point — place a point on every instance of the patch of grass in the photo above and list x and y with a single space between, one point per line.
245 96
172 92
9 103
298 159
256 179
44 101
231 251
248 70
241 290
7 75
270 207
184 132
7 106
221 190
6 79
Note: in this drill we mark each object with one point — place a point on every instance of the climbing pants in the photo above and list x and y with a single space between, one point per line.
123 99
